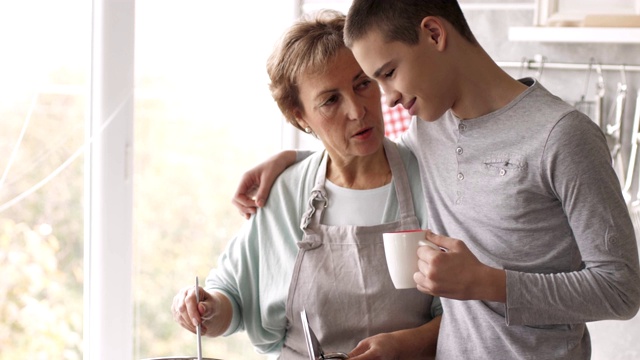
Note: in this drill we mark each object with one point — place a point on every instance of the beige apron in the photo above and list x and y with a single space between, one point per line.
341 277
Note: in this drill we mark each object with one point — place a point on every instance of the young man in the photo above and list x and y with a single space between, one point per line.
519 189
520 177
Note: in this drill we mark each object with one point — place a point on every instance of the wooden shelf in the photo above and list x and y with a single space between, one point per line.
611 35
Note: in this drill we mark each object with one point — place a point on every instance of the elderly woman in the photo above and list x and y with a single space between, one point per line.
317 245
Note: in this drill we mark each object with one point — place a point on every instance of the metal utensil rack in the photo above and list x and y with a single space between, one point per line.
538 63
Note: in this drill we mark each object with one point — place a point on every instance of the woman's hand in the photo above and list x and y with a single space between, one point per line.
213 312
377 347
408 344
256 183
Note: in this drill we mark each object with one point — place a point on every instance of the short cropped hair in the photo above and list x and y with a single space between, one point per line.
306 48
399 20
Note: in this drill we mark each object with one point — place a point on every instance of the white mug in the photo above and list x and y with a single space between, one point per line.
401 252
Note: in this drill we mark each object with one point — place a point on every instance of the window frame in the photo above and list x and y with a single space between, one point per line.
108 180
108 299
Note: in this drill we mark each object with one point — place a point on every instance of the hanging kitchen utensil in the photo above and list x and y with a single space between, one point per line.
634 209
598 113
313 345
524 63
592 108
542 60
614 131
628 181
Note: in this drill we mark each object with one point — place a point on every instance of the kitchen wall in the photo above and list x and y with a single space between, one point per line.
491 23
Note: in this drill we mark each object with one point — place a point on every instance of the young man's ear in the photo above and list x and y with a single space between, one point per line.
434 29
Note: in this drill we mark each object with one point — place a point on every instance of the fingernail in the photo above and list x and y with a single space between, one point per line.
194 321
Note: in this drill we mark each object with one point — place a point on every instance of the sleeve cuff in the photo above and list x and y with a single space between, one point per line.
234 325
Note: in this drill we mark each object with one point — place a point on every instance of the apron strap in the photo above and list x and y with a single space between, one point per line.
318 199
400 179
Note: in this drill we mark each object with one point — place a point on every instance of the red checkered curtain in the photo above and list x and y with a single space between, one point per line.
396 119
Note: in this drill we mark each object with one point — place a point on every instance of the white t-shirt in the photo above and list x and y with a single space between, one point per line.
354 207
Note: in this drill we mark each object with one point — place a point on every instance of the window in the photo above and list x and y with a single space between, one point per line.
203 116
44 99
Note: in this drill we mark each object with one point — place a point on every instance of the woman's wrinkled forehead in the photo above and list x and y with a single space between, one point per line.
314 72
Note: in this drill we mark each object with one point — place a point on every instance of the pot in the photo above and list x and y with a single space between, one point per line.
179 358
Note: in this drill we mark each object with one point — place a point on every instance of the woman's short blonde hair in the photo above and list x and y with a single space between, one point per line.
306 48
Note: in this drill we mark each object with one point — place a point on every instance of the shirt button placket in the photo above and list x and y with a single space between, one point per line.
459 151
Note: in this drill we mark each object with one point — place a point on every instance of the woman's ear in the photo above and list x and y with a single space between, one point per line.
297 114
433 28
